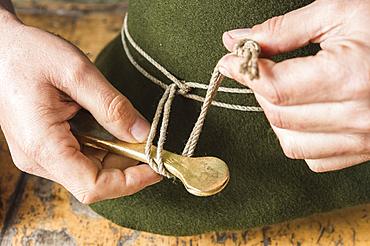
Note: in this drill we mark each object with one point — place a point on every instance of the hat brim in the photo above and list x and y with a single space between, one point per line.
265 186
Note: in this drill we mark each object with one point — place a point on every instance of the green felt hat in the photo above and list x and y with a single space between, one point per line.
265 187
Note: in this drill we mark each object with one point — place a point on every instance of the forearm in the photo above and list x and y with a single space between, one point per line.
6 5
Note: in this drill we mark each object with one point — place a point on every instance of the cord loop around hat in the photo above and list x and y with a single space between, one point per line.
248 49
183 88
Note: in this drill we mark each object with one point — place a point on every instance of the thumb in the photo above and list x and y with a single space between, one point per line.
290 31
90 89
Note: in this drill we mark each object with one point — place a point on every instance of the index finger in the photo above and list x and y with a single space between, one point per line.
312 79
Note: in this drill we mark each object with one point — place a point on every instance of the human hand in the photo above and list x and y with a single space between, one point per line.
44 81
318 106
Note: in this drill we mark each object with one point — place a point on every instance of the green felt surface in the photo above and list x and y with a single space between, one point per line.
265 186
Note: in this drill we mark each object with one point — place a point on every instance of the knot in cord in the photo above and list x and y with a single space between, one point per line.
183 88
249 50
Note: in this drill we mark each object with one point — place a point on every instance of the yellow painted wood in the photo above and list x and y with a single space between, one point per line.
49 215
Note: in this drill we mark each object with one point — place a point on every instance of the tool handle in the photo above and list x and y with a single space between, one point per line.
134 151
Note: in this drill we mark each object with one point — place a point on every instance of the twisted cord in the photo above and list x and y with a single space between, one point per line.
125 34
248 49
183 87
214 83
164 105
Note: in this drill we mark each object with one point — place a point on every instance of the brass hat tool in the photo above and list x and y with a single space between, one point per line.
201 176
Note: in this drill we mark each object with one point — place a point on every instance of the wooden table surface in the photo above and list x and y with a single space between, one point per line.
34 211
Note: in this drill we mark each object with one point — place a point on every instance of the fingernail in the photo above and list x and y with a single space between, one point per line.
240 33
224 71
140 130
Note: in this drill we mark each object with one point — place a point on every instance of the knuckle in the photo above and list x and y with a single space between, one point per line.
275 118
274 24
24 166
96 189
358 84
328 64
32 149
359 119
87 198
59 145
275 95
78 68
43 111
336 8
363 144
362 124
357 90
118 107
341 71
291 149
88 194
316 166
366 76
273 28
64 150
127 181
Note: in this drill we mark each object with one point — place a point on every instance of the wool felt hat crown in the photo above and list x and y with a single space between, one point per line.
265 186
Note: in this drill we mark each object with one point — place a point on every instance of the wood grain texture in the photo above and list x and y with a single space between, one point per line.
44 213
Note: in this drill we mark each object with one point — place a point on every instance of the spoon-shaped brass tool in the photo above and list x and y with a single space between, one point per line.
201 176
